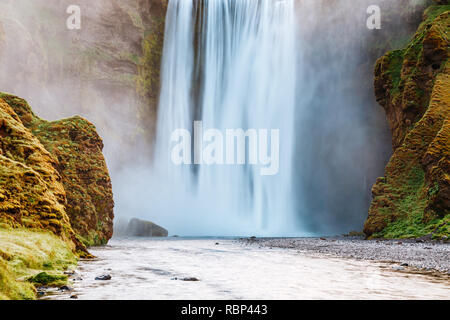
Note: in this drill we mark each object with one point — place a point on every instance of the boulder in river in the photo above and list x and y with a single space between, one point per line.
142 228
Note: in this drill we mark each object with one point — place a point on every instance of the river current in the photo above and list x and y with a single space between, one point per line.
228 269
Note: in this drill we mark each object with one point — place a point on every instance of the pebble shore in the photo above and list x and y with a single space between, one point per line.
418 255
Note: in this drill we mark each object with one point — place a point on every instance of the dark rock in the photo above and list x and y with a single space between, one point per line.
141 228
192 279
65 288
74 296
404 264
104 277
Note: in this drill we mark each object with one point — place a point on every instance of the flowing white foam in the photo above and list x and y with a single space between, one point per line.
228 64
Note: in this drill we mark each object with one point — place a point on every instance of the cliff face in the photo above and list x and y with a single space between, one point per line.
108 71
31 190
412 85
75 163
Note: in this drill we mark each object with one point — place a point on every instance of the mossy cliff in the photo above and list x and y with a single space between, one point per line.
75 151
413 87
55 195
31 194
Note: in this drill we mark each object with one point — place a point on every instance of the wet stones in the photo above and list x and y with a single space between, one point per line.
104 277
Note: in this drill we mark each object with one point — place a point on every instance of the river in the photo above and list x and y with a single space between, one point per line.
228 269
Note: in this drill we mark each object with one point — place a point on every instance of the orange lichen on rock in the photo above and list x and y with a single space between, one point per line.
413 86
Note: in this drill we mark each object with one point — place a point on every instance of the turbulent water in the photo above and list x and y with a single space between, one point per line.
146 269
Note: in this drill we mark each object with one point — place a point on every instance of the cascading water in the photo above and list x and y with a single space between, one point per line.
230 65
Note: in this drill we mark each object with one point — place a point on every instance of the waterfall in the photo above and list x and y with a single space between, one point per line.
230 65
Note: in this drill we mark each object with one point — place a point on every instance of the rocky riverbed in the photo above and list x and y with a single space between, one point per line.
412 255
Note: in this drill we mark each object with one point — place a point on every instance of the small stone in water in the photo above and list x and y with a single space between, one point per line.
190 279
74 296
104 277
186 279
65 288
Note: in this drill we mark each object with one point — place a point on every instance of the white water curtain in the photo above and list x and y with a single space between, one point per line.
230 64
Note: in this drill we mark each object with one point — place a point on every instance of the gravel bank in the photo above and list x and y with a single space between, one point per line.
425 256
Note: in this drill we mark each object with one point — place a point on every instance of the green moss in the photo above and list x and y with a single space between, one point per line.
432 13
413 227
37 256
10 288
395 64
45 279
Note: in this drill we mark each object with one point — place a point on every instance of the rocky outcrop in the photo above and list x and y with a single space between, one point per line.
54 176
141 228
412 85
31 190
